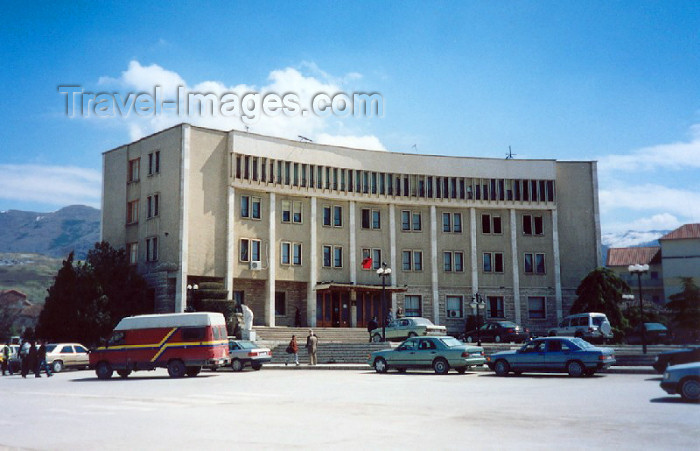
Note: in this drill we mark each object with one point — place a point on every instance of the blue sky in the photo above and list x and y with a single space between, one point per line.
616 82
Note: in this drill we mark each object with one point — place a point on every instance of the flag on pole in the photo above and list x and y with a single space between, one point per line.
367 263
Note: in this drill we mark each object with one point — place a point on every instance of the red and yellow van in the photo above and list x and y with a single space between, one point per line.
181 342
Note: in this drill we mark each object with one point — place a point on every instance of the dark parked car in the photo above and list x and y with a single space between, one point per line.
654 333
497 332
575 356
668 358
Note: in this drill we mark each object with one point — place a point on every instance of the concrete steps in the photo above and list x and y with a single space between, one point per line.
329 352
324 334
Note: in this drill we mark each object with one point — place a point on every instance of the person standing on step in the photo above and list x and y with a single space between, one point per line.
312 347
373 324
297 318
292 349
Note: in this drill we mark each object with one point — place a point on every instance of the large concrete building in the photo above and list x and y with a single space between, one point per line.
285 225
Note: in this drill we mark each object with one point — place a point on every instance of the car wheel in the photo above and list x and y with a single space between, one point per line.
497 339
469 339
440 366
401 370
192 371
552 333
236 365
256 366
501 368
412 334
461 370
176 368
376 338
103 370
57 366
690 389
123 373
380 365
575 368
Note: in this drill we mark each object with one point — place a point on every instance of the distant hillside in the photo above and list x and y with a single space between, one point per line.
32 274
74 228
631 238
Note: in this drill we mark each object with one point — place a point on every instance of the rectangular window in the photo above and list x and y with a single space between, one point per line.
459 261
485 223
152 249
412 305
296 254
495 306
529 269
132 212
337 216
256 203
454 306
376 258
446 222
376 219
337 257
244 250
418 260
539 264
497 225
447 261
285 255
406 260
533 225
365 220
134 170
154 162
457 222
255 250
535 264
539 226
327 215
498 262
296 212
536 307
417 223
286 211
487 262
405 220
152 205
327 256
133 250
245 207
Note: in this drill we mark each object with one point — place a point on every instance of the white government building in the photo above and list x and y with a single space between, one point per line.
284 225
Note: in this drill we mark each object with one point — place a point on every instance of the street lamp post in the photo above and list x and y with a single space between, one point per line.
639 270
191 289
478 304
384 272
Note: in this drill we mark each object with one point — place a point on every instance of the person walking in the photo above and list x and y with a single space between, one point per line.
24 357
292 349
5 356
41 360
33 359
373 324
297 318
389 316
312 347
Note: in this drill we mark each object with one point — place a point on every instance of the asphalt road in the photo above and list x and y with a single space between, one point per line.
343 410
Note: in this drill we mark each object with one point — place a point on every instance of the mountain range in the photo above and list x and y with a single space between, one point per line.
73 228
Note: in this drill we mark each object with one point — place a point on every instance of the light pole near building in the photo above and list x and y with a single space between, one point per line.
478 304
191 290
384 272
639 270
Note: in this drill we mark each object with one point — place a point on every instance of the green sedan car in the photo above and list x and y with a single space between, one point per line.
439 353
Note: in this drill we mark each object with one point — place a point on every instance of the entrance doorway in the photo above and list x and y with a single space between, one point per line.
333 309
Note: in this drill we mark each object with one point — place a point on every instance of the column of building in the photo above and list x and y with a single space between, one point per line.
271 263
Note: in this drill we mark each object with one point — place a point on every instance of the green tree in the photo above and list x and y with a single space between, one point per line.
685 306
601 291
88 299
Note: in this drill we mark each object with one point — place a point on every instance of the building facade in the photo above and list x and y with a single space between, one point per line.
619 260
285 225
680 253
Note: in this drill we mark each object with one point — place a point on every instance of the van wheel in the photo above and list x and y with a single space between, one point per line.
192 371
123 373
236 365
104 370
176 368
57 366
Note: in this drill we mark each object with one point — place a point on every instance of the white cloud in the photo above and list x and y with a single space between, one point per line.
674 156
650 197
282 81
54 185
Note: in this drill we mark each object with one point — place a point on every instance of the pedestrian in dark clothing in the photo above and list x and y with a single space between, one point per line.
373 324
41 360
24 357
297 318
6 358
33 359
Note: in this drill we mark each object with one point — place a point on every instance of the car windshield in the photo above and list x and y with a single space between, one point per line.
507 324
451 341
581 343
654 326
246 344
422 322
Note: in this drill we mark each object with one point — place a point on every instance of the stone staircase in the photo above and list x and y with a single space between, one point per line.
324 334
330 352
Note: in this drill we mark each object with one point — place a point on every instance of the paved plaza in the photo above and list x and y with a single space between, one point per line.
277 409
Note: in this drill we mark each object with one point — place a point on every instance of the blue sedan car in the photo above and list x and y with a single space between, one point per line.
553 355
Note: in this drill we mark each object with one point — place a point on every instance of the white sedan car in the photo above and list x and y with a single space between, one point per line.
66 355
